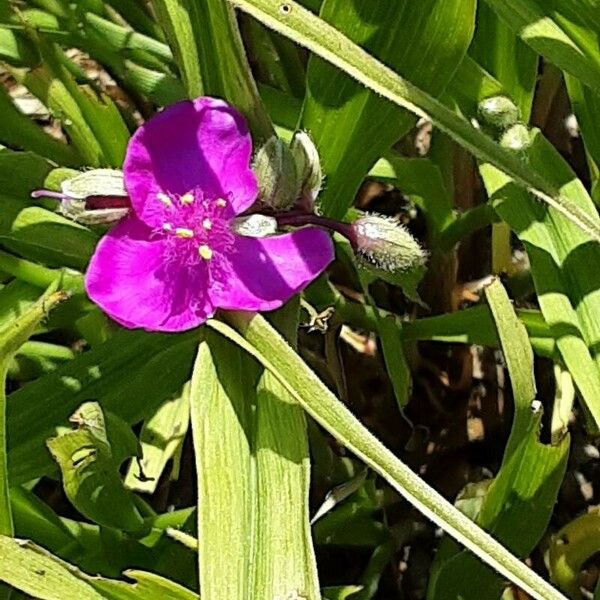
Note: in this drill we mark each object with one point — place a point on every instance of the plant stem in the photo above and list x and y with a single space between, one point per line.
297 219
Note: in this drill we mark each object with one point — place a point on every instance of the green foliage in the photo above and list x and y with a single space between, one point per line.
516 506
90 471
352 126
396 97
248 420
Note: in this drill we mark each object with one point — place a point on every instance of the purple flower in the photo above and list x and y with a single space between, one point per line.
176 259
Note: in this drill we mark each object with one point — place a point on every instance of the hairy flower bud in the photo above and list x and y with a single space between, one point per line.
516 138
308 165
383 243
275 171
498 112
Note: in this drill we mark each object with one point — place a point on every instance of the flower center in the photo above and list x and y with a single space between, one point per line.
197 230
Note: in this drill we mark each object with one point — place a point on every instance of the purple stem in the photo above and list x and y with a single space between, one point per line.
297 219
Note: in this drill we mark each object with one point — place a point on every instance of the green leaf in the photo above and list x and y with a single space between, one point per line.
586 106
278 60
207 46
570 548
21 173
17 129
351 522
16 49
123 40
138 16
39 276
90 472
343 592
41 235
506 57
223 397
352 126
161 438
29 568
161 88
267 346
130 374
16 298
475 326
304 28
35 571
34 519
147 585
559 30
253 476
395 360
176 18
12 336
518 504
471 84
560 255
422 178
283 468
92 121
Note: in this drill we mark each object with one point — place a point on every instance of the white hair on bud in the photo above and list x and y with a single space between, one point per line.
385 244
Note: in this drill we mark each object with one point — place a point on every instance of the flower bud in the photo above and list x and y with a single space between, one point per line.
385 244
516 138
96 182
498 112
92 197
275 171
308 165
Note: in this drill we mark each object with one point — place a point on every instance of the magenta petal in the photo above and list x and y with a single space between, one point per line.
269 271
128 278
192 144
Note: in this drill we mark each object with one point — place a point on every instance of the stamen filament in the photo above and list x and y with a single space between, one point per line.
162 197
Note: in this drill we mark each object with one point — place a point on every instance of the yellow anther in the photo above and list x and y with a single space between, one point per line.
221 203
187 198
183 232
162 197
207 224
205 252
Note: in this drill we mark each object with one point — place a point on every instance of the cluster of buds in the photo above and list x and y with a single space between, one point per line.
499 116
289 180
